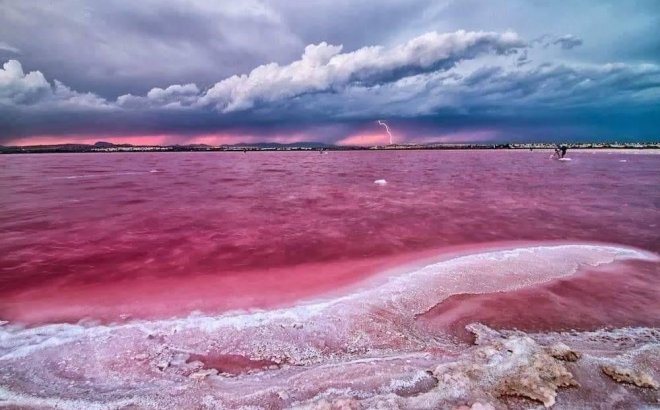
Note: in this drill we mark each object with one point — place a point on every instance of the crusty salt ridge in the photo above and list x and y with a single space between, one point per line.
478 378
506 366
636 367
628 375
510 363
362 346
562 352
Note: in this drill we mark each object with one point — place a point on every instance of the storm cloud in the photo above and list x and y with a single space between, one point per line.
568 42
215 71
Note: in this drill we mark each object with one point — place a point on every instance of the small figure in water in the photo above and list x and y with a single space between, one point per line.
560 151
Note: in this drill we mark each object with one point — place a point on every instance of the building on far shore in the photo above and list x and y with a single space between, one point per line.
308 146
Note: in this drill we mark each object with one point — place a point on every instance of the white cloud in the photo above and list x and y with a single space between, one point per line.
460 72
174 96
172 91
30 89
323 67
64 95
16 87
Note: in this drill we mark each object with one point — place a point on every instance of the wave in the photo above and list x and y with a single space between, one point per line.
106 174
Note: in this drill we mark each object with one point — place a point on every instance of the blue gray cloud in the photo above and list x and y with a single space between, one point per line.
329 69
568 42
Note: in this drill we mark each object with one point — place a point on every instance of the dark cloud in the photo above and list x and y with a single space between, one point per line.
355 24
515 102
8 49
568 42
216 67
115 47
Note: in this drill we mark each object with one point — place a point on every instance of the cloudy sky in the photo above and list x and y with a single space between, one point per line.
208 71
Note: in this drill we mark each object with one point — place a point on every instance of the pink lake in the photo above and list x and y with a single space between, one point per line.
110 236
278 280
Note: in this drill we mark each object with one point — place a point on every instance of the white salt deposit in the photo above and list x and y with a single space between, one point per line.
360 346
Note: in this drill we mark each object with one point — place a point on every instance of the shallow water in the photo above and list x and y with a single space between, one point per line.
293 277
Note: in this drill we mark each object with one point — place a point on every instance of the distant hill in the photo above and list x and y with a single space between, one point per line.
109 146
103 144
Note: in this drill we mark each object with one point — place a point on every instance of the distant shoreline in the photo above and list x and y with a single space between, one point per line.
307 147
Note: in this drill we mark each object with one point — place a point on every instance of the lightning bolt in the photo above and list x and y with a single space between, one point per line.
386 129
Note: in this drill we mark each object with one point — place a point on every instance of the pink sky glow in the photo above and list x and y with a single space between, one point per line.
159 139
367 137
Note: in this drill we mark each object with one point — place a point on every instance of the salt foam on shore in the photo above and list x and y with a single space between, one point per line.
363 348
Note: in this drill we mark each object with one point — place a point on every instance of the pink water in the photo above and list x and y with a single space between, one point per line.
294 278
157 235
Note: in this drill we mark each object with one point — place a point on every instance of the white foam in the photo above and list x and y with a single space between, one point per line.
380 182
10 398
105 174
314 341
408 293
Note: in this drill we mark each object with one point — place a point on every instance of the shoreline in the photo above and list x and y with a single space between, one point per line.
365 349
653 150
109 303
